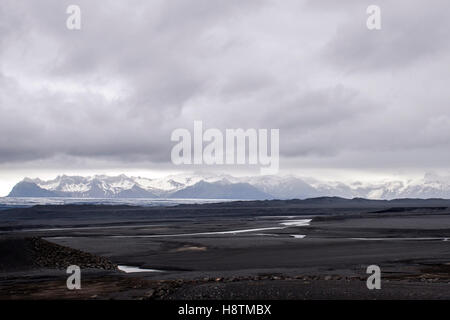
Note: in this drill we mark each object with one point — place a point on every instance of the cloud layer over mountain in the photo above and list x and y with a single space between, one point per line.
110 94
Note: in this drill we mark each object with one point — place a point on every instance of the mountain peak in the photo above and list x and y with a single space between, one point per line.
225 186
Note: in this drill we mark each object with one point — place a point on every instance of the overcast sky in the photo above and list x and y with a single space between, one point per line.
105 99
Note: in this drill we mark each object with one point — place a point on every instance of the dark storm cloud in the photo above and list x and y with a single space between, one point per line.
116 89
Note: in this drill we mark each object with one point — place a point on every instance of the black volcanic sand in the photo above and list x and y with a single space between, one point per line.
30 253
407 239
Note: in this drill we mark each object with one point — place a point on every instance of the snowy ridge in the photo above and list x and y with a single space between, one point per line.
219 186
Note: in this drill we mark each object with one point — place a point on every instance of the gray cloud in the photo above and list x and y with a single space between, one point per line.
113 92
412 32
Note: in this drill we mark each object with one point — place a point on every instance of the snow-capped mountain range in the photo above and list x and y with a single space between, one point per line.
215 186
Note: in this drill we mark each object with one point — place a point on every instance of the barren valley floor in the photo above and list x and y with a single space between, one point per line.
251 250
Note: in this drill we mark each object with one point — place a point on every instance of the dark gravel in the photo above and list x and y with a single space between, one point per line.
32 253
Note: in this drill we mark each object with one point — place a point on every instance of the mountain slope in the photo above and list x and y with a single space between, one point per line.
220 190
30 189
284 187
135 192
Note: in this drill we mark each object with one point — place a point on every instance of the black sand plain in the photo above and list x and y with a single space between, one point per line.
298 249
